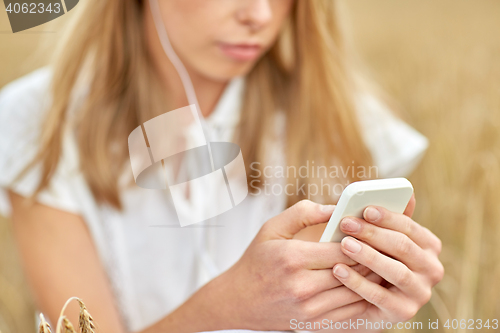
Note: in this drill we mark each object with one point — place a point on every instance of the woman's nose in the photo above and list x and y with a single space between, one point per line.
255 13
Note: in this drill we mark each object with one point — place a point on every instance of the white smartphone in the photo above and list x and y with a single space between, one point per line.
392 194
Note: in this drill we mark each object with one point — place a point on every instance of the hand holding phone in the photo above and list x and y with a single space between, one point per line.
392 194
390 244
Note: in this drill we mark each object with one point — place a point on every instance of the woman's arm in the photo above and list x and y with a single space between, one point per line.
60 261
277 278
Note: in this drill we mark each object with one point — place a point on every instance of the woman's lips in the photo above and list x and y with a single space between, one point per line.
241 52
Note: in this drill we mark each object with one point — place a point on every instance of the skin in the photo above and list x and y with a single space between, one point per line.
197 27
278 277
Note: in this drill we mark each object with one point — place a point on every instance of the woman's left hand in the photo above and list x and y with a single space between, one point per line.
400 251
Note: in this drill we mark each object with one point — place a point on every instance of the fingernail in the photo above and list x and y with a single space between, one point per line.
328 208
341 272
372 214
350 225
351 245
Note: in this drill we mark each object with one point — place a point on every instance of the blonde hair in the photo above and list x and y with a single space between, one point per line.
306 74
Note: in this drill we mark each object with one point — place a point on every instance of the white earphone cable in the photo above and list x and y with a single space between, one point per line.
201 243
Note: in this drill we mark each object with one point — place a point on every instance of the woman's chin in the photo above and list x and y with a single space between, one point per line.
227 70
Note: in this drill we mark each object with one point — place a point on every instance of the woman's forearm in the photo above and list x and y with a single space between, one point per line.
205 310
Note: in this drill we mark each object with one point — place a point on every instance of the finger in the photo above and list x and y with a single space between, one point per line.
299 216
372 276
339 295
399 222
392 270
410 208
384 299
341 314
322 279
328 300
318 255
363 270
335 316
394 243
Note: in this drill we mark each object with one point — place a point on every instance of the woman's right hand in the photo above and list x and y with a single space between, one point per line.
279 278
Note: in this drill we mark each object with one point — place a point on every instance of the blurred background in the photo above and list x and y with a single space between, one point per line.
439 62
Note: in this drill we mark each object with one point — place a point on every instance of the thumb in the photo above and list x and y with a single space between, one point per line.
303 214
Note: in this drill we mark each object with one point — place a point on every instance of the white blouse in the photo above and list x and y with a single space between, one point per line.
153 264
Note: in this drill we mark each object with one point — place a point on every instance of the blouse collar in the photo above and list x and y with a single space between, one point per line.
228 109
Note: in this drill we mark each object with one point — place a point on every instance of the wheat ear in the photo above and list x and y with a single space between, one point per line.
86 321
67 326
44 326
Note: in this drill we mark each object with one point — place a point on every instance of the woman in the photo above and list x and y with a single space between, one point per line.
270 75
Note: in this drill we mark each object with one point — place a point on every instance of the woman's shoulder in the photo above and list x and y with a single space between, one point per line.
30 89
396 147
23 102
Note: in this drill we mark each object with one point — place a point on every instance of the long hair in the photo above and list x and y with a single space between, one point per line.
306 75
